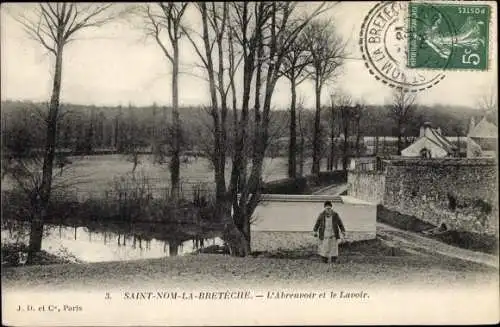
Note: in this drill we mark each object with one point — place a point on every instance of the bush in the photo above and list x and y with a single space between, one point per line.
128 200
15 254
12 253
204 202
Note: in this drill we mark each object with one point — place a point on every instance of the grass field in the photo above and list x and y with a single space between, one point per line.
92 175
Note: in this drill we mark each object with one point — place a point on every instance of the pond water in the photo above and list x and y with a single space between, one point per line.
88 245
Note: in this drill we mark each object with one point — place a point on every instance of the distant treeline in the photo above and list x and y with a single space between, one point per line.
87 128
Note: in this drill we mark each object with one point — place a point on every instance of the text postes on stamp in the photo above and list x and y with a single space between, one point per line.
384 47
435 45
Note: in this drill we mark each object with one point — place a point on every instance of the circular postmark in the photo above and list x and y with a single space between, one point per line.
385 36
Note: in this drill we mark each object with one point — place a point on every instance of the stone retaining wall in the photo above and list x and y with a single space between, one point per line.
366 185
462 193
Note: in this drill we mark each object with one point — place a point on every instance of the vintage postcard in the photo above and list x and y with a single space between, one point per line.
249 163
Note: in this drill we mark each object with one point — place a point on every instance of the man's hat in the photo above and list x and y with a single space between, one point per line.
328 204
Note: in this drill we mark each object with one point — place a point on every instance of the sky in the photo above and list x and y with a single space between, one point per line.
117 65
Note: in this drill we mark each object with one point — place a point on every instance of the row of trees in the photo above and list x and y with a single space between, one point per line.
132 131
87 129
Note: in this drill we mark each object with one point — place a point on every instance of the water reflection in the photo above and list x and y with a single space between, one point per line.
90 245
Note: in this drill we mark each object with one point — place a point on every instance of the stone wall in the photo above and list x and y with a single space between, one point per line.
366 185
461 193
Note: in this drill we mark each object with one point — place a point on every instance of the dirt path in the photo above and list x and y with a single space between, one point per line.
415 242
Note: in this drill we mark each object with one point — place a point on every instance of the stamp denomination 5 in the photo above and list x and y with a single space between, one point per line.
449 36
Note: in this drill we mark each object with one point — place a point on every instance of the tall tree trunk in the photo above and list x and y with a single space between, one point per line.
345 156
399 143
301 147
222 133
231 234
173 248
239 169
292 146
358 138
331 156
116 133
317 133
400 138
219 126
175 160
301 158
42 201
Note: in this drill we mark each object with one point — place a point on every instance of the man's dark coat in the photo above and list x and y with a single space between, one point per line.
336 223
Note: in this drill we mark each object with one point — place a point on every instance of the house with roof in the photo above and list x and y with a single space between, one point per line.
430 144
482 139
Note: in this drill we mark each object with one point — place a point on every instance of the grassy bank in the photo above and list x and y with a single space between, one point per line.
462 239
14 255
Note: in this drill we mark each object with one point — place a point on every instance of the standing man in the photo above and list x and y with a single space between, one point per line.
328 225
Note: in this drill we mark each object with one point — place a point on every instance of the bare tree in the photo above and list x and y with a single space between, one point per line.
333 133
261 33
277 29
489 101
294 69
132 141
343 104
327 54
303 131
53 26
358 115
488 104
215 18
167 17
401 112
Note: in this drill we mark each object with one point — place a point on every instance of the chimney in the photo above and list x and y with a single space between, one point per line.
424 129
438 130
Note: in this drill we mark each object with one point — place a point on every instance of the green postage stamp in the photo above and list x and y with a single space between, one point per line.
448 36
